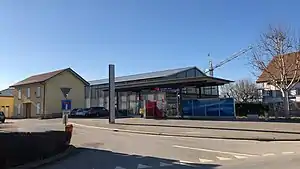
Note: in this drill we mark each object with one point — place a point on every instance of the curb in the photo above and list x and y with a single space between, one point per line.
214 128
49 160
187 136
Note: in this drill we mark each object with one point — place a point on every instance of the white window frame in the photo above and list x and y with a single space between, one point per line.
38 92
38 108
19 94
19 109
28 92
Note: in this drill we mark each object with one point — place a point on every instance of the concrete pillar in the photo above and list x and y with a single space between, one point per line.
112 93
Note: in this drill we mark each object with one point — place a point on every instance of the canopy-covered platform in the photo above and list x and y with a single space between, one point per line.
169 83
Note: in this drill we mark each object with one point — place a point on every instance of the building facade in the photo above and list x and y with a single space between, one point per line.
7 102
40 95
271 94
166 98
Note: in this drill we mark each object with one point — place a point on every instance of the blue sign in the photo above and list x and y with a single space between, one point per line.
209 107
66 105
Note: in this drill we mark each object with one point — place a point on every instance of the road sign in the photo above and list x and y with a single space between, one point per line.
65 91
66 104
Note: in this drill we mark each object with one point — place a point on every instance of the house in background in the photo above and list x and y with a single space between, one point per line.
271 94
7 102
40 95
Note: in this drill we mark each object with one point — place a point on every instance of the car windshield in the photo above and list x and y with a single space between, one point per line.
86 109
1 113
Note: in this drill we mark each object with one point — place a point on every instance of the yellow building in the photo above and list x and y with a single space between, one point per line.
40 95
7 102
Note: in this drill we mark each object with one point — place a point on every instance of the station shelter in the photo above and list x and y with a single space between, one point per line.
169 93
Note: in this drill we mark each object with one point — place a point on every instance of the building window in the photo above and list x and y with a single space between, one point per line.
297 91
28 92
191 73
270 93
19 94
19 109
198 73
181 75
38 108
38 92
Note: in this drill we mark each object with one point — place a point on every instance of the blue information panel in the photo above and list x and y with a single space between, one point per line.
66 104
208 107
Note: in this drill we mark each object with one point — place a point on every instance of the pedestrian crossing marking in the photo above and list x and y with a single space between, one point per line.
186 163
202 160
240 157
161 164
268 154
288 152
223 158
140 166
118 167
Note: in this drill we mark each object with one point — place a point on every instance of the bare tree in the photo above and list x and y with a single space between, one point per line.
277 59
242 91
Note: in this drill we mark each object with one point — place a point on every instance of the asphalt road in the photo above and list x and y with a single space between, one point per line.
116 150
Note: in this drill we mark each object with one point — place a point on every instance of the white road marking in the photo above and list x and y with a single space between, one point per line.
192 132
154 134
182 162
240 157
214 151
223 158
143 166
118 167
202 160
268 154
187 162
161 164
288 152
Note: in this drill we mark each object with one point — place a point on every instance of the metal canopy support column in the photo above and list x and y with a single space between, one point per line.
180 102
140 101
199 92
117 99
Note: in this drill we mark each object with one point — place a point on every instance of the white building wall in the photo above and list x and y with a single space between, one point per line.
274 95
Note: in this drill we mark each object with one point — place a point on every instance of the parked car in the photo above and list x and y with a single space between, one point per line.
96 112
80 112
73 112
2 116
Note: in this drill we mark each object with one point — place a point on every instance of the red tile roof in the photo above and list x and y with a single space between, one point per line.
46 76
289 59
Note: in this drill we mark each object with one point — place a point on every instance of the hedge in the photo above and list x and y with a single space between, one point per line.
243 109
18 148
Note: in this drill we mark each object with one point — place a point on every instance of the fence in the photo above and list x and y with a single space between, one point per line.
209 107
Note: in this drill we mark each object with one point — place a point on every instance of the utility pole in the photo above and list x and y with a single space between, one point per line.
111 94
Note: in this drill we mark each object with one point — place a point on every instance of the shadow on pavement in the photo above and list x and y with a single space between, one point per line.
212 128
88 158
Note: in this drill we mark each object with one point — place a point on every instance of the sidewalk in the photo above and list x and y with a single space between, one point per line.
260 131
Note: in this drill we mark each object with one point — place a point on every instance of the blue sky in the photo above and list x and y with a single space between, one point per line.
136 35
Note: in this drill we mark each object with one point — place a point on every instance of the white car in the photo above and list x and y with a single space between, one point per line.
82 112
79 112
